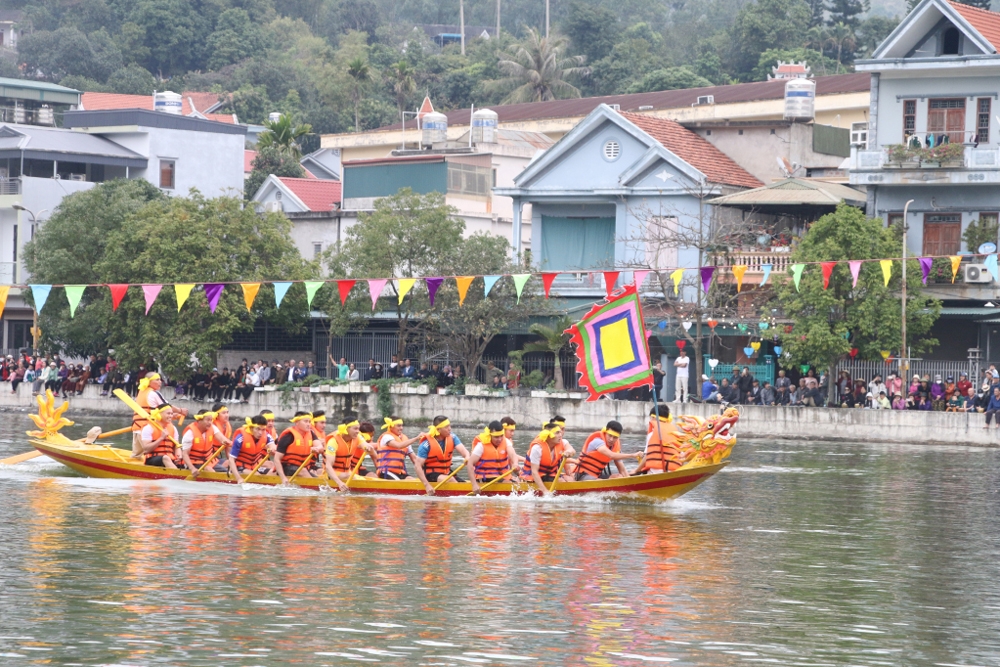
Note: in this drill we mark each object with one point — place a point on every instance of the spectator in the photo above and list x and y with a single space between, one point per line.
753 398
781 395
353 375
783 381
281 374
264 373
407 371
300 372
447 377
393 370
16 378
955 402
728 393
658 376
423 372
876 386
439 376
513 377
681 363
870 403
41 378
950 388
767 394
709 390
369 373
343 369
993 407
377 372
795 395
973 402
937 394
963 385
893 385
897 402
848 400
744 384
883 401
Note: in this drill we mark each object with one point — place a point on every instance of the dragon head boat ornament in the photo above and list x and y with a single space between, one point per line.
703 442
50 417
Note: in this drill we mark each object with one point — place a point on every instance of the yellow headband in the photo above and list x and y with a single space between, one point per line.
367 436
510 426
316 420
665 420
157 414
342 429
548 434
434 431
389 423
610 432
206 413
144 382
267 415
488 435
301 417
249 423
559 423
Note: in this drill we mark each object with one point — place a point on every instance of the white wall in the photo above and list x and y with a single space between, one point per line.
893 91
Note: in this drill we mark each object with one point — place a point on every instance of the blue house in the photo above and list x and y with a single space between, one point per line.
595 195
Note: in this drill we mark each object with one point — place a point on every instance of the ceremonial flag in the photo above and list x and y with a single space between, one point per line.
766 268
250 293
855 266
610 278
638 278
677 276
117 294
547 279
4 290
611 346
73 294
706 277
182 292
519 280
213 292
956 261
925 268
738 271
345 287
797 274
280 290
403 287
991 265
312 286
149 293
827 272
886 265
432 287
490 282
375 288
463 283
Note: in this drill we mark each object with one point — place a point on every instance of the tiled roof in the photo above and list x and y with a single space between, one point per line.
695 150
316 194
221 117
248 157
201 101
985 22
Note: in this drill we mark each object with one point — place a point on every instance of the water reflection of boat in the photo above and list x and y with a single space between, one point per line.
712 438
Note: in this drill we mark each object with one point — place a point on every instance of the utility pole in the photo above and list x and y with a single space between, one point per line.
904 358
461 22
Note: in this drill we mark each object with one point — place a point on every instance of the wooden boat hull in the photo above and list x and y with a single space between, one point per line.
107 462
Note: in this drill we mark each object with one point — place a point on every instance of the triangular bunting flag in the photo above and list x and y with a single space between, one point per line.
490 282
610 278
182 292
403 287
117 294
280 290
706 277
956 261
855 266
213 292
375 288
797 274
925 268
738 271
677 276
40 293
250 293
766 268
432 287
827 272
4 291
886 265
345 287
73 294
547 279
519 280
991 266
638 278
150 292
312 286
463 283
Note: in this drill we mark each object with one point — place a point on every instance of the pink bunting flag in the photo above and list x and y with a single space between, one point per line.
855 266
432 287
375 289
638 278
213 291
925 267
150 292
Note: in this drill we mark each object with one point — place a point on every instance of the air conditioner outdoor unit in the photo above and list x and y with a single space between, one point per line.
77 177
705 99
976 273
273 207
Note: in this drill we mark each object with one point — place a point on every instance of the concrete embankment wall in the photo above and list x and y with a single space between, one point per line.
887 426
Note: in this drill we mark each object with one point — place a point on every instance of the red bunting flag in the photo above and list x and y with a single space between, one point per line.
547 279
610 278
344 286
827 272
117 294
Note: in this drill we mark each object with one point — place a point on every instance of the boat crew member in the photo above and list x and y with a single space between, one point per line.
158 438
544 456
434 454
294 446
600 449
271 430
492 455
570 468
222 435
393 448
344 449
148 398
367 433
198 444
662 454
318 422
509 426
251 443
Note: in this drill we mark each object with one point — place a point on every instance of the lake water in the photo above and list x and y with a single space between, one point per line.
796 554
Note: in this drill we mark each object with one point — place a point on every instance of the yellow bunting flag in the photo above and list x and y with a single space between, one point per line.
463 283
182 292
956 260
250 293
4 290
677 276
738 271
886 265
405 285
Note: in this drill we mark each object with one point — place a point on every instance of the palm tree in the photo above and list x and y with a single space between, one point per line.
403 83
283 135
842 36
360 74
553 340
537 70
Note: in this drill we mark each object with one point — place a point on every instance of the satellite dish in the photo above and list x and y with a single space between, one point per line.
987 248
784 167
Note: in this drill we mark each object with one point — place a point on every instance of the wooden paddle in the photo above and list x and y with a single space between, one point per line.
138 409
555 479
299 469
492 482
262 460
27 456
207 461
453 473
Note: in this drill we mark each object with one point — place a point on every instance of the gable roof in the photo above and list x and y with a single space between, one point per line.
315 194
985 22
695 150
980 27
192 103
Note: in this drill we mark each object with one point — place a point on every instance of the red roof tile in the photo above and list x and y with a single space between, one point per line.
248 157
202 101
221 117
695 150
316 194
985 22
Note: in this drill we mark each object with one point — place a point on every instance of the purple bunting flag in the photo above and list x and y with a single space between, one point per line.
432 287
706 277
213 292
925 267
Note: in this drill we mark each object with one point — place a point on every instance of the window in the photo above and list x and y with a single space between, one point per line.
946 117
983 120
859 135
942 233
909 118
950 40
469 179
167 174
19 334
894 219
317 250
612 150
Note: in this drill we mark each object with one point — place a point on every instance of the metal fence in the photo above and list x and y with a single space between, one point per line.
867 370
532 362
359 347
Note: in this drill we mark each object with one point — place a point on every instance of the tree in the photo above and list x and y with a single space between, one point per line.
763 25
360 73
827 323
236 37
271 160
284 136
591 29
846 12
176 34
132 80
403 83
842 37
872 32
980 231
536 70
553 341
670 78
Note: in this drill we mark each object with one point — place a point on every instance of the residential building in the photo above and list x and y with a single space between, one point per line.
324 163
193 103
35 102
312 205
9 30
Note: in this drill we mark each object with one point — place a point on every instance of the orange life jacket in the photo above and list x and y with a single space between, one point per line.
439 458
493 462
592 461
549 464
226 428
660 448
391 459
299 450
165 448
201 444
142 398
346 454
251 450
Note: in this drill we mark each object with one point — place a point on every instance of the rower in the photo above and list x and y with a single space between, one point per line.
509 426
434 454
271 430
570 467
148 398
600 449
544 456
367 433
222 435
251 443
198 443
492 455
318 423
393 448
294 446
343 450
660 443
158 438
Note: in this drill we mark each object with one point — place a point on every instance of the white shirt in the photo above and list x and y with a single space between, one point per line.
535 454
354 375
382 442
155 400
188 440
681 363
147 433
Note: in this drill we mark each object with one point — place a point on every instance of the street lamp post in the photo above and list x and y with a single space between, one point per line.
34 221
904 358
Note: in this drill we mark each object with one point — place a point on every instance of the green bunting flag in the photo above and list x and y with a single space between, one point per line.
73 294
797 274
312 286
519 280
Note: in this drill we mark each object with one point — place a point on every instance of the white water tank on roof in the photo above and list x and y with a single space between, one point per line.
435 129
45 115
484 126
274 116
168 102
800 99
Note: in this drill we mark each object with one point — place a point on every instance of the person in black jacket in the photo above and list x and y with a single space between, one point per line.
728 393
745 385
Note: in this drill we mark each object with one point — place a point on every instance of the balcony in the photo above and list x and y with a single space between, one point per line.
10 186
755 260
952 164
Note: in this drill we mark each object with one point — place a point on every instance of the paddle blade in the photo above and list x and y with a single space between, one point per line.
13 460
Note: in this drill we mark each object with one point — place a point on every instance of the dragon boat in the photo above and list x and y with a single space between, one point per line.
705 444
